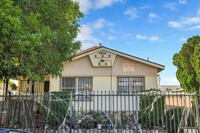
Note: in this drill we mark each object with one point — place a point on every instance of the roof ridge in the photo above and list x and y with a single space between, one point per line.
86 50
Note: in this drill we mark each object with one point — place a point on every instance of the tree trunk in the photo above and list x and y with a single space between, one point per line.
6 82
6 93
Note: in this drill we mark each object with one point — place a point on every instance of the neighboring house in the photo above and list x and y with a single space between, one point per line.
26 86
178 99
170 88
104 69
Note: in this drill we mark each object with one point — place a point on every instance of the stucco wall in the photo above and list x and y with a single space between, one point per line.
151 82
54 84
102 76
83 66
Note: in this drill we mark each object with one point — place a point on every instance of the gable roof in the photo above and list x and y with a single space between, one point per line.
86 51
96 48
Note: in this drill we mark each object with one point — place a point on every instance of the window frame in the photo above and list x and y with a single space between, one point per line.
130 84
80 93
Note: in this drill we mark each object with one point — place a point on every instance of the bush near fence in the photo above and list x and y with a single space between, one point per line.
151 112
58 103
172 119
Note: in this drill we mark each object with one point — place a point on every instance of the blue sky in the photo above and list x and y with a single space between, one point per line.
154 29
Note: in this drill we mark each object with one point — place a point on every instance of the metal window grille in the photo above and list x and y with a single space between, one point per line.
68 83
79 85
130 84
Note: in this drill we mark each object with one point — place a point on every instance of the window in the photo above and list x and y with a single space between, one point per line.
68 83
80 85
130 84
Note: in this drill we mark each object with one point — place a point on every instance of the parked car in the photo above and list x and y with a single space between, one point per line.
5 130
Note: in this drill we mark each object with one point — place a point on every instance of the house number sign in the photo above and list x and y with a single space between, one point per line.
102 52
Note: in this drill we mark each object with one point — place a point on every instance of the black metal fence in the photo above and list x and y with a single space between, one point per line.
63 112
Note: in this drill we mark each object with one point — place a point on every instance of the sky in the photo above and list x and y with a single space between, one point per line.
154 29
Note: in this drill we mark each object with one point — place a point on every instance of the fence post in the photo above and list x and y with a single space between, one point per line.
197 109
71 112
8 114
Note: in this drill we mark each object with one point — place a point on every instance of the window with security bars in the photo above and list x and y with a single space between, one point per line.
79 85
128 85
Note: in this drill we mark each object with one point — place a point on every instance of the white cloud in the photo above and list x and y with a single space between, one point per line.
174 24
88 31
145 37
111 38
87 5
100 23
182 39
146 6
112 31
86 36
186 23
153 38
195 27
104 3
171 6
141 37
198 11
132 12
182 1
191 21
127 36
152 17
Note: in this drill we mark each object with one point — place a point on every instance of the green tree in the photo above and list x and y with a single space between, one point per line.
187 62
196 61
10 35
37 36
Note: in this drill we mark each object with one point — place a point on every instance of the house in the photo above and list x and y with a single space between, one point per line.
170 88
104 69
178 99
100 69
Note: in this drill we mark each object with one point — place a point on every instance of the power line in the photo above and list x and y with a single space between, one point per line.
165 31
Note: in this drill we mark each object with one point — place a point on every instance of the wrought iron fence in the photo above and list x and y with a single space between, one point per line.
64 112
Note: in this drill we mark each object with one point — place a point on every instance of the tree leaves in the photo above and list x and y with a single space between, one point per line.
37 36
188 64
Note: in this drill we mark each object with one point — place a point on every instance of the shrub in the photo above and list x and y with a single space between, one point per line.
58 103
173 117
92 118
88 123
151 110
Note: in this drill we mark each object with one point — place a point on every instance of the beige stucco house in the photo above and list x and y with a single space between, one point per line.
98 70
104 69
